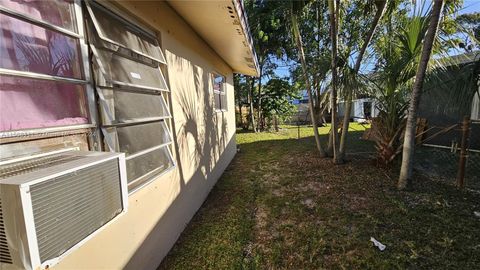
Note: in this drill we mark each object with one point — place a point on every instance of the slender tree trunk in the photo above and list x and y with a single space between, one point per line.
319 78
330 142
410 130
381 8
240 114
346 124
259 105
238 98
320 111
301 55
333 97
250 101
275 123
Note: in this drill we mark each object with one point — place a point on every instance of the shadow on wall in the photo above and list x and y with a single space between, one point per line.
203 150
200 131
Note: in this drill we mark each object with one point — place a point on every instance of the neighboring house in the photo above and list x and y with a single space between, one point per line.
302 115
449 96
302 100
362 109
151 79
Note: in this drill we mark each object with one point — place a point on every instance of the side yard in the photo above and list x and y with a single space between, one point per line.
279 206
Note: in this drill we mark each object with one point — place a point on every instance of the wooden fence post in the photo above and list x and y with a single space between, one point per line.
463 152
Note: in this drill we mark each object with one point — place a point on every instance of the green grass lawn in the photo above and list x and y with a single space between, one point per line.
279 206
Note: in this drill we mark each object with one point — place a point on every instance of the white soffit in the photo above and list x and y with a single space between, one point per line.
223 25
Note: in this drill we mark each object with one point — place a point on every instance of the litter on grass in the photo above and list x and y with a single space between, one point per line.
375 242
476 213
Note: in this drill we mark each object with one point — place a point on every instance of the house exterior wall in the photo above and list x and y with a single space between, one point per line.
204 144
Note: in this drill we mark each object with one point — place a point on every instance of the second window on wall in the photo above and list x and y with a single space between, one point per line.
219 93
128 78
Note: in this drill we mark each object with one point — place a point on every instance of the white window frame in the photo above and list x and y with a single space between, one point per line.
222 92
89 92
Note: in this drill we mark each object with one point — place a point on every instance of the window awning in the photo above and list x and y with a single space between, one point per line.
223 25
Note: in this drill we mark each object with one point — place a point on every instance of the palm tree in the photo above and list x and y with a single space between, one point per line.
409 139
301 55
333 10
381 7
399 55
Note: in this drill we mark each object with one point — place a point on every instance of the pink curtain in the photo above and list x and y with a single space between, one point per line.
56 12
32 103
29 103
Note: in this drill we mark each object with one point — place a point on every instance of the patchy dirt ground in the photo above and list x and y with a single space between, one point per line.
279 206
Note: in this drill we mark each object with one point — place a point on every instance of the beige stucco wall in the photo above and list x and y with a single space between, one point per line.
204 146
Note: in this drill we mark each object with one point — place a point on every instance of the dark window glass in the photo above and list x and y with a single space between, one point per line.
217 101
133 139
223 101
157 160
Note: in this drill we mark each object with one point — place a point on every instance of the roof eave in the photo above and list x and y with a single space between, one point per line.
224 27
248 35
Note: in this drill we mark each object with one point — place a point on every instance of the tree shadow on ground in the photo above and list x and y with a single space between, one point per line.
280 206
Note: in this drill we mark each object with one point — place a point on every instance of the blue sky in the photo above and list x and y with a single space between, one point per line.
469 6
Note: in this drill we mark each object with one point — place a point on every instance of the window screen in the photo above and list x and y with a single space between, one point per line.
220 97
119 107
136 138
135 116
117 70
115 30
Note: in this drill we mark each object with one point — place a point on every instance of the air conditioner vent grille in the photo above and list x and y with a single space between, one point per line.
34 164
4 252
68 208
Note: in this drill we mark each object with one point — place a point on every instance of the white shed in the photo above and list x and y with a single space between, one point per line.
362 109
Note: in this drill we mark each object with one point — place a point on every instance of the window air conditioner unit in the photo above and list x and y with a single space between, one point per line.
52 204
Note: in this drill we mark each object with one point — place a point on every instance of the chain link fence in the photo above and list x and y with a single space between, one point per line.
439 157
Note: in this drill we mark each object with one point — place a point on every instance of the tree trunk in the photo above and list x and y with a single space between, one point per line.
330 142
250 100
346 124
240 114
275 123
410 130
333 97
381 8
319 78
301 55
318 106
259 105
